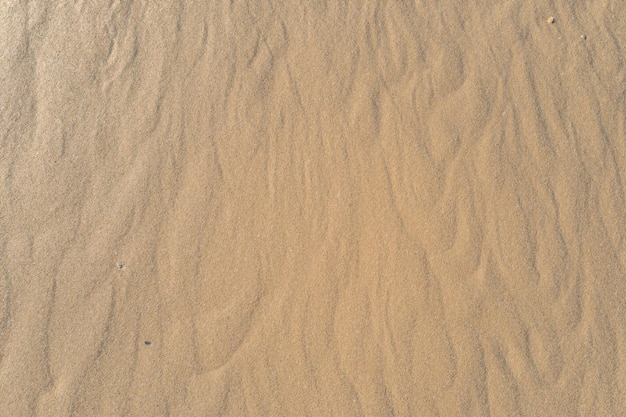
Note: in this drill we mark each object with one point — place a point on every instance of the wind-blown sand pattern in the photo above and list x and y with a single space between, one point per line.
258 208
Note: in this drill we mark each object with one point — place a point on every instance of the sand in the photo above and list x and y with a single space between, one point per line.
325 208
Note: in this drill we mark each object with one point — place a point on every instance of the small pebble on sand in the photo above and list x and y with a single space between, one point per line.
551 19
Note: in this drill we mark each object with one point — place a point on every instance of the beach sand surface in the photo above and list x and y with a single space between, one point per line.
325 208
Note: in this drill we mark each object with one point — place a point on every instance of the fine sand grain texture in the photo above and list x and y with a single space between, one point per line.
312 208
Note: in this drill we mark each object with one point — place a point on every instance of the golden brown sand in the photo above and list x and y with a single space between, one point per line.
312 208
